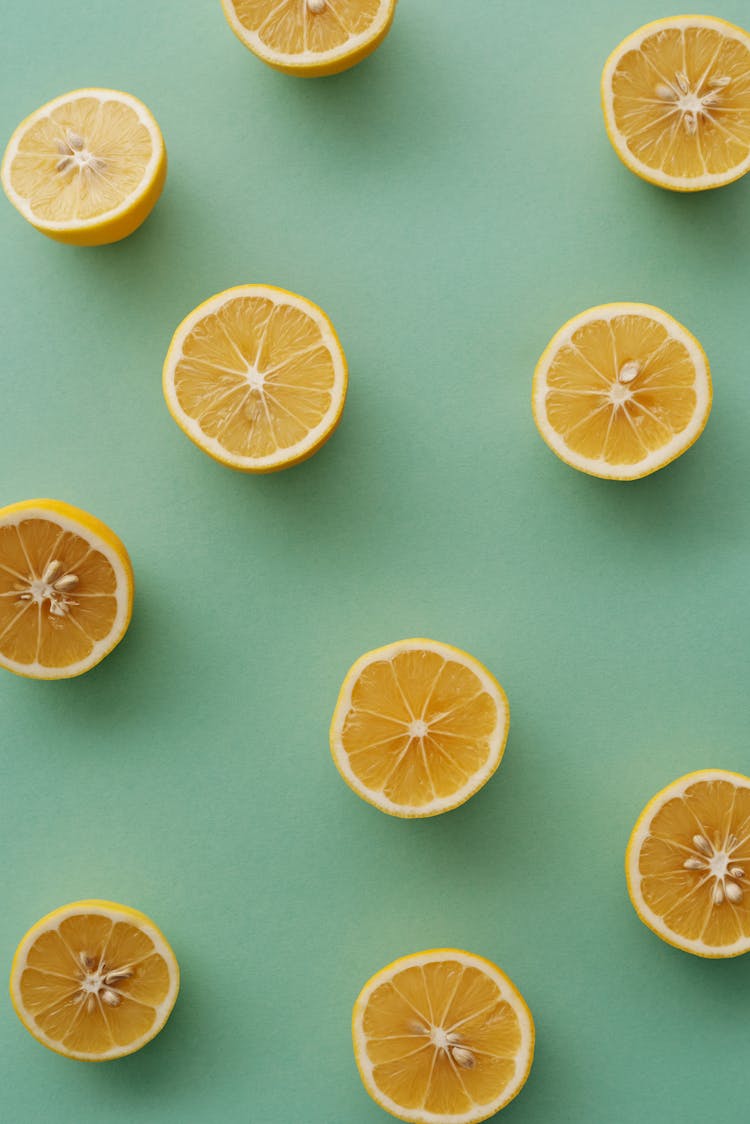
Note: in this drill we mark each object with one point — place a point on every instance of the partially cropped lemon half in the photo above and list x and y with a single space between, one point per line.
86 168
94 980
621 390
442 1037
676 98
688 864
310 38
66 589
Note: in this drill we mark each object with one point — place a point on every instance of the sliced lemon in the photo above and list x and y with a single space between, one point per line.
419 727
86 168
676 97
442 1037
621 390
311 38
256 377
66 590
688 864
94 980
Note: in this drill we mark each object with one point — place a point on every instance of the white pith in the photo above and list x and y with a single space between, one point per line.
122 595
308 58
52 922
278 297
634 42
652 919
507 992
149 174
496 740
658 457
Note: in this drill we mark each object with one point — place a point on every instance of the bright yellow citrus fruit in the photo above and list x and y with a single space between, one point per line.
621 390
66 590
418 728
688 864
94 980
676 97
86 168
256 377
442 1037
311 38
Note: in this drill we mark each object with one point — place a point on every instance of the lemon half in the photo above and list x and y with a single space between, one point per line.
310 38
621 390
676 98
94 980
442 1037
86 168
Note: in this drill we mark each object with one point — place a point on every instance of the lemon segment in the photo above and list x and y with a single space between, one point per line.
257 378
688 864
418 728
94 980
86 168
621 390
442 1037
676 99
310 38
66 590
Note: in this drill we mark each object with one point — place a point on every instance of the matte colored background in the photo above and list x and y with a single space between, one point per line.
450 203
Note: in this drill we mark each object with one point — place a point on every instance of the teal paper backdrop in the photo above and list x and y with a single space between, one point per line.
450 203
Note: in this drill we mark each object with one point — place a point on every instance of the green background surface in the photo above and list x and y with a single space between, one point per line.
450 203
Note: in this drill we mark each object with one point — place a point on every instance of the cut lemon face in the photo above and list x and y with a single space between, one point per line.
256 377
621 390
86 168
688 864
418 728
676 97
94 981
311 38
442 1037
66 590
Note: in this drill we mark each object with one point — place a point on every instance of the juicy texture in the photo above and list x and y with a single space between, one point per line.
65 589
311 37
677 102
94 981
257 378
621 390
442 1035
87 168
419 726
702 820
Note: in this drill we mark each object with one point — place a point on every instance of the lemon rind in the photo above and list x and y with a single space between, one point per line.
498 739
151 174
115 912
659 458
655 176
650 919
509 993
